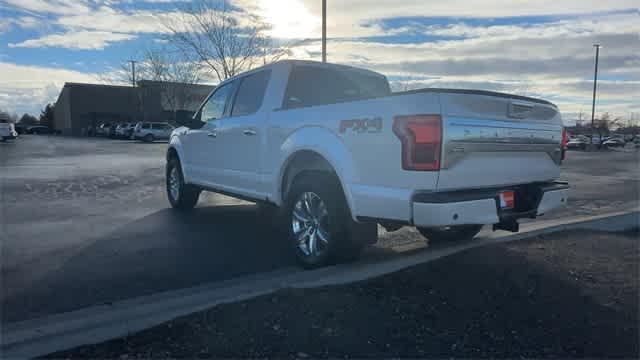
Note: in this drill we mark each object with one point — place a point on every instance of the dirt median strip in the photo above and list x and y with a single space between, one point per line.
568 294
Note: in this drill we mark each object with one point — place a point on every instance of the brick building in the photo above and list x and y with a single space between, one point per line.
81 108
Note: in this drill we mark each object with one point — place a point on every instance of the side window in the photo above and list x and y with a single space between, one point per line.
251 93
314 85
146 126
215 106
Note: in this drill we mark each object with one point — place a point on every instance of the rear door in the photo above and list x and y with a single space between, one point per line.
495 140
241 134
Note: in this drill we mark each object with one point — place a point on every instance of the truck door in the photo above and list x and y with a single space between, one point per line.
241 135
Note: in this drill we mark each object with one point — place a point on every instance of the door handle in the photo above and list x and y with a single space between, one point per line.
212 134
249 132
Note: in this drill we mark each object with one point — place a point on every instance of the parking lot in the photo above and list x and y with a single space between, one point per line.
86 221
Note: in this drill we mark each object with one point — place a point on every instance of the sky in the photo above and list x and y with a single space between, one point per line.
540 48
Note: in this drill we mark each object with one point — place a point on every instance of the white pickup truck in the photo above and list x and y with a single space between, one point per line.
337 152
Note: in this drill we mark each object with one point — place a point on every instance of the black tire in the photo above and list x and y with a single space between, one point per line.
187 195
148 138
346 239
451 233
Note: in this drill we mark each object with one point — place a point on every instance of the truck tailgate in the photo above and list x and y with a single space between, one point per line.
493 139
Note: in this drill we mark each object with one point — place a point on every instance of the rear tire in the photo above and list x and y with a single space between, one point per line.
181 196
451 233
316 208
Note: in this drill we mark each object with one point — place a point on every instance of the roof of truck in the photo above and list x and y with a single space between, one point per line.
303 62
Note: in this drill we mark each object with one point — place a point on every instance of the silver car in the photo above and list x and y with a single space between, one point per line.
125 130
150 131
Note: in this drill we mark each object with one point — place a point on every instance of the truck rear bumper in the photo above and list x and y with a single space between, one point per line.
433 209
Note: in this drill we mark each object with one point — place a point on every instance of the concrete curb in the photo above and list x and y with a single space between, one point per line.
96 324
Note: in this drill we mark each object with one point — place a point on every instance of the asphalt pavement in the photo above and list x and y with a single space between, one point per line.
571 294
86 222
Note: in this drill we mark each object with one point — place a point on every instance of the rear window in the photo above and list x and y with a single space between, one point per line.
314 85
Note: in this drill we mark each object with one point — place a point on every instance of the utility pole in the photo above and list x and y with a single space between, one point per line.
595 83
133 72
324 31
580 117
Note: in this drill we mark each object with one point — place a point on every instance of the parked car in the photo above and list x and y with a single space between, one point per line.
7 131
112 130
578 143
337 152
125 130
103 129
596 140
151 131
40 130
614 142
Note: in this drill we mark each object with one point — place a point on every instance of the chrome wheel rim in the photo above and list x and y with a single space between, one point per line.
174 183
310 224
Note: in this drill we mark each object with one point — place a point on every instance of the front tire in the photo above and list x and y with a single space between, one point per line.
320 228
451 233
148 138
181 196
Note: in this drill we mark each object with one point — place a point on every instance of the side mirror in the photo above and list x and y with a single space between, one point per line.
186 118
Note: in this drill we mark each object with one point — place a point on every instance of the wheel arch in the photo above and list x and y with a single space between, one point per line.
175 150
326 153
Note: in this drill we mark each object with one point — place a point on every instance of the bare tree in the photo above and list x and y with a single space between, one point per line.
174 76
121 75
604 124
225 40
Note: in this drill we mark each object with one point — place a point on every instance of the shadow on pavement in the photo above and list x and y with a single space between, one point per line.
163 251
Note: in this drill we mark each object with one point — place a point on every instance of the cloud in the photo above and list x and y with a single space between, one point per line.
78 40
349 18
551 59
24 22
29 88
50 6
107 18
546 52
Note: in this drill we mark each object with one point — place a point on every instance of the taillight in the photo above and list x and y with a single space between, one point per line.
421 137
563 144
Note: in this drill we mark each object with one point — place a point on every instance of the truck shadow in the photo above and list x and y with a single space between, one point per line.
163 251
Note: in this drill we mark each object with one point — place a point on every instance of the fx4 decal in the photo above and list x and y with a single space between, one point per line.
361 126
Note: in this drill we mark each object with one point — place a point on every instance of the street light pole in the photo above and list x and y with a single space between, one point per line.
324 31
595 83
